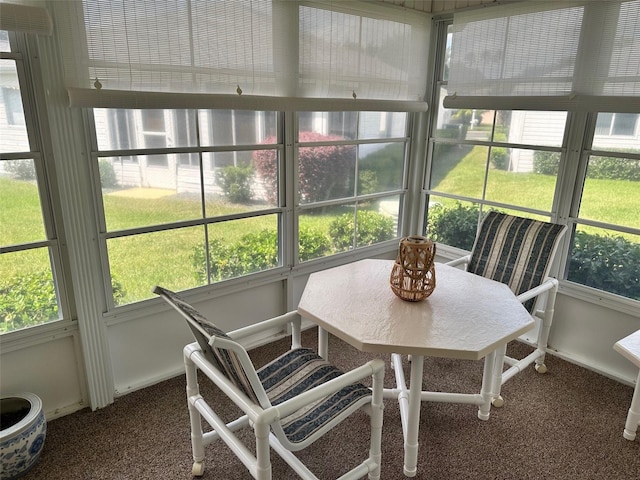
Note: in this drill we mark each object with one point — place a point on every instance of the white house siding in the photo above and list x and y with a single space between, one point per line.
13 138
533 128
546 128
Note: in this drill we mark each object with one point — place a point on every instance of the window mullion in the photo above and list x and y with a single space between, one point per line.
288 188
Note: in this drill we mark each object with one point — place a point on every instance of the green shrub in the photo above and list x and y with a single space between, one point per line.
367 182
546 163
610 168
453 226
324 171
21 169
108 178
26 300
236 183
30 299
614 168
313 244
252 253
373 227
609 263
499 158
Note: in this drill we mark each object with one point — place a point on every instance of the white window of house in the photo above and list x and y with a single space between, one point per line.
617 124
31 289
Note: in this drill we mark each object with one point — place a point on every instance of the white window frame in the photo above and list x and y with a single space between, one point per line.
40 153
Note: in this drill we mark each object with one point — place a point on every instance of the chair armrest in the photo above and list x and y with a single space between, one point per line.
368 369
290 317
194 353
459 261
548 284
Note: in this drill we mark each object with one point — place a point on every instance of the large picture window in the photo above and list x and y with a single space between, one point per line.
210 207
190 206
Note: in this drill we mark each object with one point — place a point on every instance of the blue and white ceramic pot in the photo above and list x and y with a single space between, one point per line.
22 433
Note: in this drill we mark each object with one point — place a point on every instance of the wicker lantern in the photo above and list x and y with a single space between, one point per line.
413 277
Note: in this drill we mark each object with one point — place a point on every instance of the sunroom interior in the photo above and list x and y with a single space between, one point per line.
227 150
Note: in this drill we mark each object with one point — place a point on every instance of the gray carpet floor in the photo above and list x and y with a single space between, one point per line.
566 424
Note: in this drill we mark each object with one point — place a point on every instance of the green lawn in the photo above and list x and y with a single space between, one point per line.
461 173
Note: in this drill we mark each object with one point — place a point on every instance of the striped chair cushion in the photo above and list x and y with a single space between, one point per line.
515 251
223 359
300 370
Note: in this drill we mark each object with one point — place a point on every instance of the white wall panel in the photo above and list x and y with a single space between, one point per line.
146 350
584 333
51 369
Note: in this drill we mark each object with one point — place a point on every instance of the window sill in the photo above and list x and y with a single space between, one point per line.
601 298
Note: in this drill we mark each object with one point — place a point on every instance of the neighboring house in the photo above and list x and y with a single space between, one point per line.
613 131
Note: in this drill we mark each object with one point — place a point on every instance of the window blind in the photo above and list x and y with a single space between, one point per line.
243 54
581 56
16 17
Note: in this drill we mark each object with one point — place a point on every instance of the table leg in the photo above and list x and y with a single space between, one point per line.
633 416
413 417
323 343
486 390
496 386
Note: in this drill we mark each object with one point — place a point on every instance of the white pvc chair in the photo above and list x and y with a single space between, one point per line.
290 403
518 252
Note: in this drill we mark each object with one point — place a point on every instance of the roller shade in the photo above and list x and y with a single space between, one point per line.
244 52
581 56
16 17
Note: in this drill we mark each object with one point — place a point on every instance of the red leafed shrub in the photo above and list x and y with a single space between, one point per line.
324 171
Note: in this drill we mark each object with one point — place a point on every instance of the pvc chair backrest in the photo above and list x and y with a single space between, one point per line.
226 360
515 251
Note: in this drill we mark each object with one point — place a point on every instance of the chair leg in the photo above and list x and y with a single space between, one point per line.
197 438
377 407
545 327
263 451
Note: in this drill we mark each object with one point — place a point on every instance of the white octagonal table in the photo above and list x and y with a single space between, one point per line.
466 317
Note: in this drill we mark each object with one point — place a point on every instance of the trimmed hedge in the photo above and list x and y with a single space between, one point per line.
373 227
610 168
30 299
609 263
455 226
255 252
27 300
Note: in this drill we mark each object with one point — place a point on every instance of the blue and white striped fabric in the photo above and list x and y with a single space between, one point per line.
300 370
514 250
